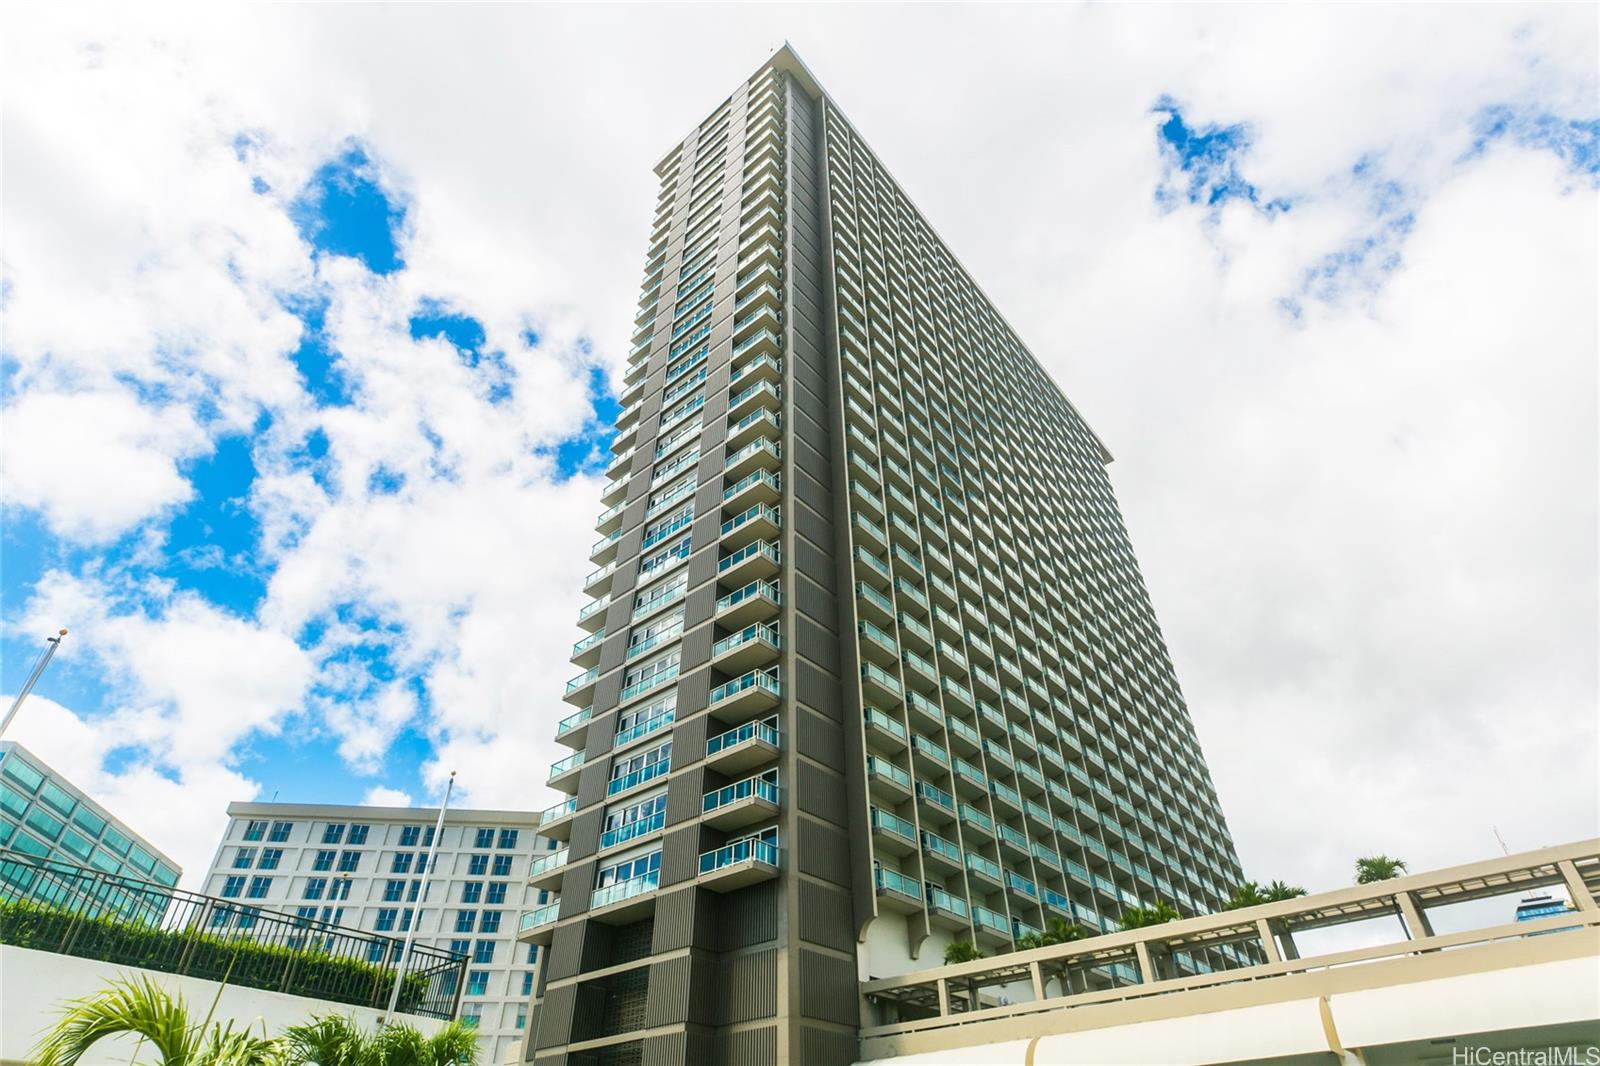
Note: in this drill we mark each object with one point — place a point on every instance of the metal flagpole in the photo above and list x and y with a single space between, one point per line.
422 897
51 644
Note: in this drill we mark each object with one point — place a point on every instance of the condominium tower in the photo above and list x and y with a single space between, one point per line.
362 867
870 666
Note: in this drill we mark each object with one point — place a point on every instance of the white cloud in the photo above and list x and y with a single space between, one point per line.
1372 527
386 797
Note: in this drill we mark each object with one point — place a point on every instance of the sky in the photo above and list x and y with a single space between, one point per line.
314 315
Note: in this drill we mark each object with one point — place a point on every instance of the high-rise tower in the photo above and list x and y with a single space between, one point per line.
870 666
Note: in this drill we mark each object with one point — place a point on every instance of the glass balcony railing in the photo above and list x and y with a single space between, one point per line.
895 881
766 730
539 916
573 721
939 899
632 830
559 811
550 860
766 548
582 679
985 918
761 788
892 823
937 796
760 477
648 772
887 770
588 642
933 842
755 679
973 816
621 890
760 631
592 609
768 589
642 729
656 680
981 865
756 848
875 717
571 762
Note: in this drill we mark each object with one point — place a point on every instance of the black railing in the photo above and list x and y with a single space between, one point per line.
48 905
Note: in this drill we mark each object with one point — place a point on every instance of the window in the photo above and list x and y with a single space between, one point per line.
661 669
233 887
465 920
323 861
259 887
627 869
244 858
471 1020
666 526
477 982
490 922
308 913
625 823
270 857
483 951
333 832
675 553
477 865
393 891
472 892
358 835
485 839
280 832
409 835
255 830
415 887
401 864
315 887
661 593
659 629
461 947
384 923
527 979
333 915
340 888
533 954
348 861
508 838
640 767
405 919
497 893
522 1017
502 866
375 951
642 720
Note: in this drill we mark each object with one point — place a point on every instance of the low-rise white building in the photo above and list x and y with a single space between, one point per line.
362 867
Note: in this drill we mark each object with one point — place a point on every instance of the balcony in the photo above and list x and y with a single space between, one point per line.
759 522
743 748
757 424
758 395
947 910
573 730
938 851
563 771
745 696
991 925
757 601
627 782
600 580
758 486
884 729
605 549
886 781
637 829
754 645
758 559
538 925
896 891
878 685
742 803
935 803
580 690
741 863
586 652
758 368
547 869
556 822
891 832
625 901
593 615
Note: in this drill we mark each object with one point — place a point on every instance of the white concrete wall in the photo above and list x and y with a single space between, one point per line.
35 984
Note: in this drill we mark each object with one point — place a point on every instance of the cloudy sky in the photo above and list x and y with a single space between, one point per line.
312 315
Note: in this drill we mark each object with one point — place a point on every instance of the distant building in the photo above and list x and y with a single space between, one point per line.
45 815
362 867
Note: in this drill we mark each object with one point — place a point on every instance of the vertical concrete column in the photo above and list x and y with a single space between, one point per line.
1269 943
944 998
1147 968
1038 980
1416 922
1582 898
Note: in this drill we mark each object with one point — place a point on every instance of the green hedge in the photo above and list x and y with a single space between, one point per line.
302 971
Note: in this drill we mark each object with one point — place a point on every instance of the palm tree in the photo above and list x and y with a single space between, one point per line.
961 951
1378 868
139 1007
1252 894
1142 917
336 1040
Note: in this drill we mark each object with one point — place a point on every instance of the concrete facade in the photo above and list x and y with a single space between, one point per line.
361 867
870 666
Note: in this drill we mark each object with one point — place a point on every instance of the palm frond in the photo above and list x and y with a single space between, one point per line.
136 1006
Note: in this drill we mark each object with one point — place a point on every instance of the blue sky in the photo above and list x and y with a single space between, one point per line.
307 377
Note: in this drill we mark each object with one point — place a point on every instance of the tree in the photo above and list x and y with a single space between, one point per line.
961 951
1143 917
335 1040
139 1007
1378 868
1252 894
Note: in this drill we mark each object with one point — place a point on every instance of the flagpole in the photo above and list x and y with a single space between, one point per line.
422 894
51 644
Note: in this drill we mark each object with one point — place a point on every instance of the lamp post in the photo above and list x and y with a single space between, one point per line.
422 898
51 644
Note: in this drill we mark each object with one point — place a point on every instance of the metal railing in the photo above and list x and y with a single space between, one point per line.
1166 959
49 905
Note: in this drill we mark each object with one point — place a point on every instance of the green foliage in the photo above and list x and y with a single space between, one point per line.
303 971
141 1008
1252 894
1378 868
961 951
1058 931
1144 917
333 1040
1278 891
